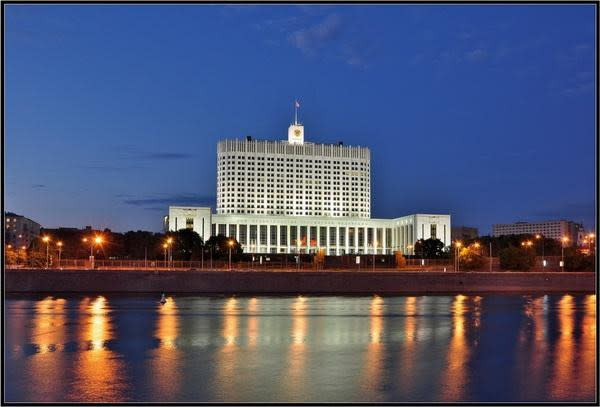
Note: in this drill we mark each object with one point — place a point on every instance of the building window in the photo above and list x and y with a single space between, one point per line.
433 232
283 235
243 234
323 236
263 234
253 235
294 235
222 229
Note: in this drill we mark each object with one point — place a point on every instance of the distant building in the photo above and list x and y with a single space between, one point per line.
553 229
464 233
19 230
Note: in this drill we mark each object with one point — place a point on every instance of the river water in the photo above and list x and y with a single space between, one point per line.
313 348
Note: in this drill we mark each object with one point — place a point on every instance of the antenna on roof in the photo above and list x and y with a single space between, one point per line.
297 105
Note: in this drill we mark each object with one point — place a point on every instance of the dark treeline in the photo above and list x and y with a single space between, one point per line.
135 245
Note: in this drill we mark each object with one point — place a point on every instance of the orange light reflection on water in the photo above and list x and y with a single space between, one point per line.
99 372
454 377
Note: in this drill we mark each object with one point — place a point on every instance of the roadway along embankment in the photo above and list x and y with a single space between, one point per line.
272 282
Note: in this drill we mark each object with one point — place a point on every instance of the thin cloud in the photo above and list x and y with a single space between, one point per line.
165 156
176 199
310 40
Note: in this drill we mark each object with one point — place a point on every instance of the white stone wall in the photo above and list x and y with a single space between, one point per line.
180 216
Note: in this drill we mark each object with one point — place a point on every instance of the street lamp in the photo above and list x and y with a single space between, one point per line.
562 256
458 246
59 244
169 244
230 244
165 245
591 237
540 237
46 240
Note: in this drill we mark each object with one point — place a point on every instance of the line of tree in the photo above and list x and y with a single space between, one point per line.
133 245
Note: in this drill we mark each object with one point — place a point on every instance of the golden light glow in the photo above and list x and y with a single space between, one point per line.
98 239
538 236
454 377
59 244
9 246
165 245
23 247
230 243
165 366
476 244
565 239
458 244
562 384
99 373
591 235
84 239
169 240
46 239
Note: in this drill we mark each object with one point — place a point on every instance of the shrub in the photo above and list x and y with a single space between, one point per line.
577 261
400 260
470 259
515 258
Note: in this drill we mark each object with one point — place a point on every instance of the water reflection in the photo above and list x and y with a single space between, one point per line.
294 378
48 335
99 372
409 349
373 364
454 377
226 358
165 364
261 349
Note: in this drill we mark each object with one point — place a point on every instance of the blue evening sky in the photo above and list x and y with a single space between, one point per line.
486 112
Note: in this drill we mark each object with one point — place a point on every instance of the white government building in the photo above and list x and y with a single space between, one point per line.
299 197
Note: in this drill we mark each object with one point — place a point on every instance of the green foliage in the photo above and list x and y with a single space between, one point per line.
219 245
430 249
471 258
577 261
36 259
516 258
545 246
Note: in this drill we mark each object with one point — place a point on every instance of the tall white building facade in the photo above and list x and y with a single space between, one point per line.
294 196
553 229
293 178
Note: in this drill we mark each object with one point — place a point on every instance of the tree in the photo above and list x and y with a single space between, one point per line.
471 258
400 259
577 261
516 258
430 249
187 244
220 247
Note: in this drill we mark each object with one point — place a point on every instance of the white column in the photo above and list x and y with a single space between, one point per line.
347 243
289 239
237 232
365 240
308 239
384 239
268 238
327 240
337 240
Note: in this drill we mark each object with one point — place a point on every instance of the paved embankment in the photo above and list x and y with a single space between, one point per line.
321 282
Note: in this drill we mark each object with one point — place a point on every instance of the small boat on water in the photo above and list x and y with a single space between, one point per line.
163 299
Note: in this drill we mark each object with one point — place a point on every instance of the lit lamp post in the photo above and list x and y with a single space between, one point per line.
540 237
59 244
591 238
169 245
458 246
165 245
46 240
96 240
562 255
408 249
230 244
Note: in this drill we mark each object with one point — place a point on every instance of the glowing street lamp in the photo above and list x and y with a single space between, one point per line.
46 240
165 245
562 259
169 245
540 237
230 244
59 244
458 245
96 240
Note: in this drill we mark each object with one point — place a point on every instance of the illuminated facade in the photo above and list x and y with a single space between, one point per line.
298 197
